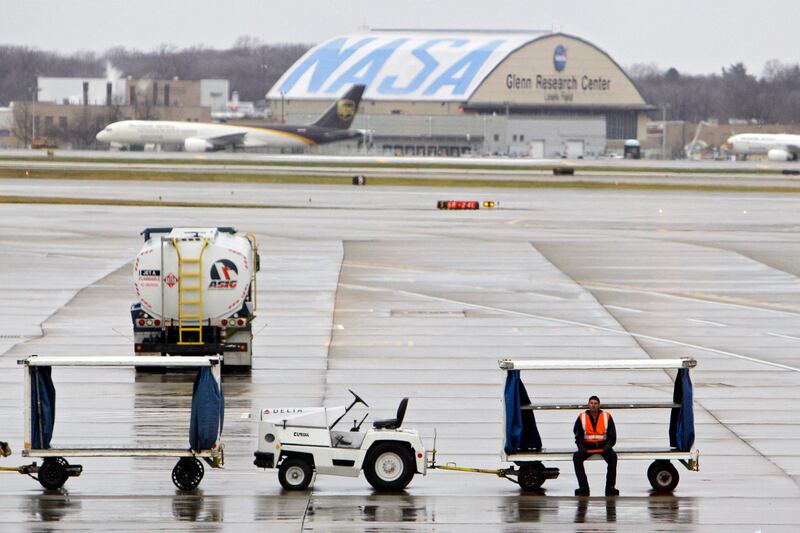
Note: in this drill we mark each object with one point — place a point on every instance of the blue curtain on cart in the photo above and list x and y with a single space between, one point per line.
681 424
43 407
208 411
521 431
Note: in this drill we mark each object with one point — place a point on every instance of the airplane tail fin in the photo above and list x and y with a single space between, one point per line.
341 114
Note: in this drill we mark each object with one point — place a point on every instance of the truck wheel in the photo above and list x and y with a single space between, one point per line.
188 473
53 473
295 474
531 476
663 476
389 467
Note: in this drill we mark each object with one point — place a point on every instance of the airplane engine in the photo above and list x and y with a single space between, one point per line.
197 145
779 154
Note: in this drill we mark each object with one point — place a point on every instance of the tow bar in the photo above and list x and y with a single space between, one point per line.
527 475
33 468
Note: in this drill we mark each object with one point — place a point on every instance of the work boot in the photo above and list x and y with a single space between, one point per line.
582 491
611 491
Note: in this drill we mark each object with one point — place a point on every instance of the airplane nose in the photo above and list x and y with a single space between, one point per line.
102 136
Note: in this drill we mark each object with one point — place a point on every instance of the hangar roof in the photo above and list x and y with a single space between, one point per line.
434 65
478 69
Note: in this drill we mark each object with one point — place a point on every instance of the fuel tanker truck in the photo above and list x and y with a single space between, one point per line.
197 293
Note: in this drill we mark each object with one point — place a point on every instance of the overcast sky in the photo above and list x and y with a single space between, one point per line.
695 36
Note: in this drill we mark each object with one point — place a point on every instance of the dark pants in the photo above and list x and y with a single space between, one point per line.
580 472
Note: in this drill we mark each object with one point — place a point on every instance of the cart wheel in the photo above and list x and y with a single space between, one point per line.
295 474
531 476
389 467
663 476
188 473
53 473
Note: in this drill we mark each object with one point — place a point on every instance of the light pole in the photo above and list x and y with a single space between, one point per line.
34 96
485 143
264 70
505 136
366 137
664 107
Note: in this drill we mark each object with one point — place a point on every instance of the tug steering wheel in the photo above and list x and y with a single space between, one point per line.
357 398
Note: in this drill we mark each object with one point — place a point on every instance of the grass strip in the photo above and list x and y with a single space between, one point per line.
400 164
384 181
49 200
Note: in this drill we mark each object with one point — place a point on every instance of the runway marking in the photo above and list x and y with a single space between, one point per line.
399 266
581 324
415 268
783 336
701 297
708 322
621 308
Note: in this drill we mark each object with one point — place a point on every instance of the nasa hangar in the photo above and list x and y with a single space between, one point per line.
447 92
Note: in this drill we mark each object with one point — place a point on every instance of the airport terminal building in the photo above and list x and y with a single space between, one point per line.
524 94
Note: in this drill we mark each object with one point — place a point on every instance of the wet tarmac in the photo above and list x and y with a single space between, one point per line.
374 289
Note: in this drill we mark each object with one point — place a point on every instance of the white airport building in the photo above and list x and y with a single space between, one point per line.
445 92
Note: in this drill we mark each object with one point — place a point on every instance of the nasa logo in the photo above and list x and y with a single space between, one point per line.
560 58
446 68
345 109
223 275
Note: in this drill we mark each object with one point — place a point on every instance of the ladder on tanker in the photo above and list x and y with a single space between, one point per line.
190 290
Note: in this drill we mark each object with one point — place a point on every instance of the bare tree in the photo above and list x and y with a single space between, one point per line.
22 122
82 132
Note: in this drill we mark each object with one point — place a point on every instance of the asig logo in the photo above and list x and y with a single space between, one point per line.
224 275
560 58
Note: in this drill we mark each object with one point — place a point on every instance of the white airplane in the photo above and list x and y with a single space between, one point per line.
777 146
332 126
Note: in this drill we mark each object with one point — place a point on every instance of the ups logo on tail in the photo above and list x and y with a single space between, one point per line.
345 109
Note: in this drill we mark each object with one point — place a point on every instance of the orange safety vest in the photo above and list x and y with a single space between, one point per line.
594 434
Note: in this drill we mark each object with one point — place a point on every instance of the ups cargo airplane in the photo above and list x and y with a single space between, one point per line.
332 126
777 146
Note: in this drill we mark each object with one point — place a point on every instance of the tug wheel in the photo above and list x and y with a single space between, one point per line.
188 473
53 473
295 474
389 467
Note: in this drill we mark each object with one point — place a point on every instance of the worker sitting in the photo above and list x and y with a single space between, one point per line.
595 433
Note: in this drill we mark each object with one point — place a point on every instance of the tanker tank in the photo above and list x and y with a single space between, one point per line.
196 293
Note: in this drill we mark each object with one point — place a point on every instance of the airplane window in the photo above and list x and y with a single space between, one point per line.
108 130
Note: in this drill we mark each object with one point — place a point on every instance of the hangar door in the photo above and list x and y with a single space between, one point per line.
537 149
553 136
575 149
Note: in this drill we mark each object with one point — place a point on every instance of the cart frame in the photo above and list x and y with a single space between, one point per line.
663 477
529 471
186 475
